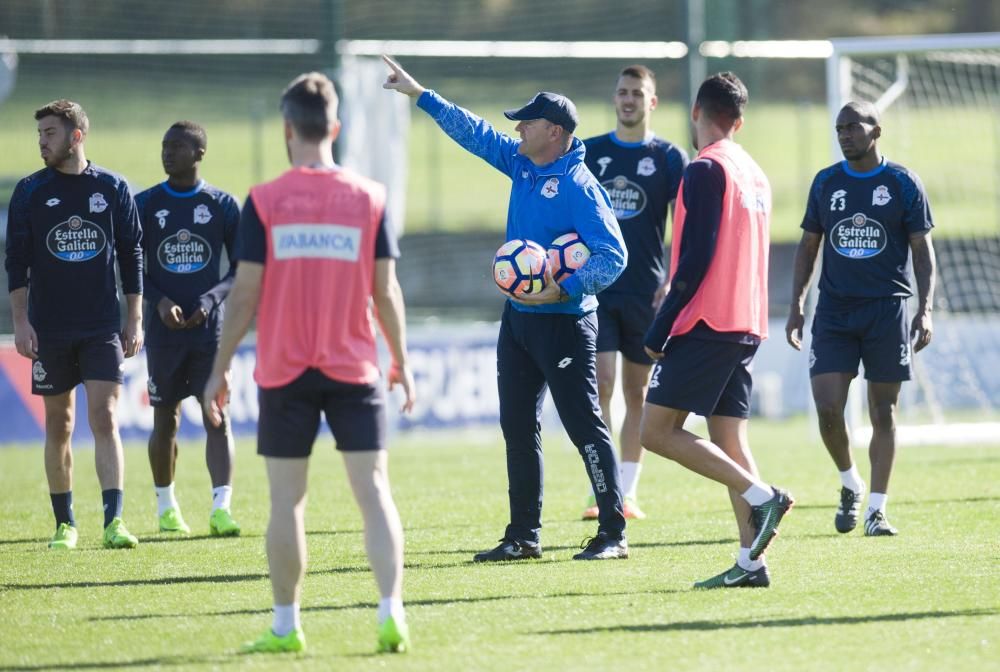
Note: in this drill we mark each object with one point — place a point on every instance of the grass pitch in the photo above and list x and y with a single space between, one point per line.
926 600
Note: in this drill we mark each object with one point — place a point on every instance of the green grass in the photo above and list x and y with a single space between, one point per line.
451 190
926 600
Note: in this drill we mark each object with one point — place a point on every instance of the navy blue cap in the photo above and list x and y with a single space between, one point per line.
552 107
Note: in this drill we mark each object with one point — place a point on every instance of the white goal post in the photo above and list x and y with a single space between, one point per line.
939 95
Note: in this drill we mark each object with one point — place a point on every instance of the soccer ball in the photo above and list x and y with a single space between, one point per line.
519 267
567 253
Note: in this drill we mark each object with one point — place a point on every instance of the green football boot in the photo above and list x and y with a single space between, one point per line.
766 518
116 536
172 521
293 642
393 637
737 577
64 539
221 524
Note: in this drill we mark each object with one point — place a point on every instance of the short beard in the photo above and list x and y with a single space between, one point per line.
58 158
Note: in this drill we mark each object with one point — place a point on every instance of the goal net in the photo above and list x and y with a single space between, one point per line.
939 96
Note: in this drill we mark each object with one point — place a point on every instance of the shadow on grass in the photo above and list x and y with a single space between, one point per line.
772 623
219 578
154 663
553 549
14 542
902 503
170 580
179 539
430 602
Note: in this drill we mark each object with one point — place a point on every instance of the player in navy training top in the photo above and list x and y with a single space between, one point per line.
641 174
186 225
68 225
873 214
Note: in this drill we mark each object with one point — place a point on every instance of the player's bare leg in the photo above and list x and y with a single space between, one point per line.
60 417
163 462
607 372
368 474
163 444
730 434
286 538
102 403
59 420
830 392
882 400
219 450
635 378
663 433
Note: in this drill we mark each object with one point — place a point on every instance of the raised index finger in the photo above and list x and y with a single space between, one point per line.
392 64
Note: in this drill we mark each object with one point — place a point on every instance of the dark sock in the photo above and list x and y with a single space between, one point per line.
62 506
114 500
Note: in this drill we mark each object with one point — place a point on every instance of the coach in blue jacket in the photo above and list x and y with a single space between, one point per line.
546 339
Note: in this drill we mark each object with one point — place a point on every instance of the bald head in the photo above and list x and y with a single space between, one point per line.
865 112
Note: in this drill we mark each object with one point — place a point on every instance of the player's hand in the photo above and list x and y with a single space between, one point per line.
132 336
25 339
170 313
197 318
793 328
215 397
921 331
401 375
400 80
551 293
652 354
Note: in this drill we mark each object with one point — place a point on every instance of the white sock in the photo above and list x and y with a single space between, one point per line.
286 619
165 498
391 606
746 563
757 494
630 472
851 479
876 502
222 497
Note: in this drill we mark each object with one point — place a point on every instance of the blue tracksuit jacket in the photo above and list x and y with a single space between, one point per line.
545 202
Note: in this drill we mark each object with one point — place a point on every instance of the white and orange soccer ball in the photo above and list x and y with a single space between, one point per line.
567 253
519 267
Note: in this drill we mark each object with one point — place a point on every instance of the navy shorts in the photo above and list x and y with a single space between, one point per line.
178 372
622 321
875 333
289 415
64 363
703 376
